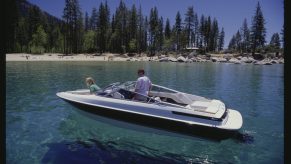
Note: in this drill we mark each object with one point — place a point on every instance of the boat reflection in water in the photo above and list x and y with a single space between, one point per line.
165 111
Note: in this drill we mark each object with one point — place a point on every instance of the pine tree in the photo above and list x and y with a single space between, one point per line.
154 22
178 29
189 25
102 27
213 36
221 40
120 38
238 43
73 25
93 20
167 29
232 43
79 32
283 36
258 31
140 33
87 22
133 23
207 34
245 36
146 33
160 36
275 42
196 30
34 20
22 38
202 32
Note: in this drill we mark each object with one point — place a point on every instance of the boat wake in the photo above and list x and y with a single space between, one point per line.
244 138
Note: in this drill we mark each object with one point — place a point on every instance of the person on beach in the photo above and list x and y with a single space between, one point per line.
92 85
143 86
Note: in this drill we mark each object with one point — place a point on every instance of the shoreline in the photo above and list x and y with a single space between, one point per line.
61 57
221 58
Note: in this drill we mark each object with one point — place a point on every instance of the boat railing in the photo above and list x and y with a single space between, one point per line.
165 88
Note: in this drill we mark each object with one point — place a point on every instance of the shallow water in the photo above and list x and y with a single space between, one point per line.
42 128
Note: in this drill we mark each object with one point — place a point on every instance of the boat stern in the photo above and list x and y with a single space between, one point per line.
234 121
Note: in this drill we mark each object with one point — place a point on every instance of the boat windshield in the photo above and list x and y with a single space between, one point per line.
157 94
130 86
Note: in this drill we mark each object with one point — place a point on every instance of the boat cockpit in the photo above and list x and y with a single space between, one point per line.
157 94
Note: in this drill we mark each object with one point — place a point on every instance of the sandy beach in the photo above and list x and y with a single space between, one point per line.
77 57
222 58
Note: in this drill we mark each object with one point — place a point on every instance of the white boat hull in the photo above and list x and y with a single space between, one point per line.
159 116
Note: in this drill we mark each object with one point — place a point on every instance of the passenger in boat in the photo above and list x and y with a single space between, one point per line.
92 85
143 86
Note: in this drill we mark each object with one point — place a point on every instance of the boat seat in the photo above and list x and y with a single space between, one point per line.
117 95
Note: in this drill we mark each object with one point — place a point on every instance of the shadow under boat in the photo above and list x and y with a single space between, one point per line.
95 151
157 125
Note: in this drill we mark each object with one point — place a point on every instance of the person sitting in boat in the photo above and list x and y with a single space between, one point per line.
143 86
92 85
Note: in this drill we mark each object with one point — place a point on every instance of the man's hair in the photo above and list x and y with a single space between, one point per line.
140 71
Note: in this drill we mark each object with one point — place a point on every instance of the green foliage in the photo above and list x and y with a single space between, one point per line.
235 43
275 45
39 41
128 30
132 45
275 41
89 44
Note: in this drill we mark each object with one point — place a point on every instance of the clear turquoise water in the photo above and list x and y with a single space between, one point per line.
41 128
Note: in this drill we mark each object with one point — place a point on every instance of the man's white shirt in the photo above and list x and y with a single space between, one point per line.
143 84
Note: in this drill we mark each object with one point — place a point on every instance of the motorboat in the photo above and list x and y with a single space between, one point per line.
163 108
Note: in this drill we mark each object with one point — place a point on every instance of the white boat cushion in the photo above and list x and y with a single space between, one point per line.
208 107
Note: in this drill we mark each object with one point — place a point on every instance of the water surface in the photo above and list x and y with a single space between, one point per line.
42 128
